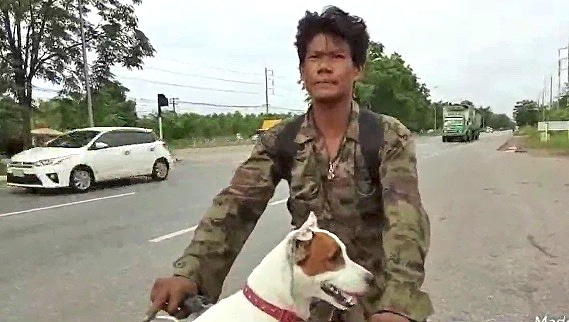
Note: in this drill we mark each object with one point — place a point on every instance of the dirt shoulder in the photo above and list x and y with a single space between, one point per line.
532 145
213 154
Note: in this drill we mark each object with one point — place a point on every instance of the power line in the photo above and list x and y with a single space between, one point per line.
189 86
146 102
202 76
205 103
212 67
268 72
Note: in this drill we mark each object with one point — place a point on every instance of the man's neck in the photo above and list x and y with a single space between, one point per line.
331 119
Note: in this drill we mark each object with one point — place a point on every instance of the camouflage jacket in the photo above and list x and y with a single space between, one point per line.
392 241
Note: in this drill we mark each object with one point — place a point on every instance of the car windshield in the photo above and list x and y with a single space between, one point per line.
75 139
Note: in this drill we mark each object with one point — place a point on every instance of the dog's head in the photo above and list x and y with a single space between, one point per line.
322 268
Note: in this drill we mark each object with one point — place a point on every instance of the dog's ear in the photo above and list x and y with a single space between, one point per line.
301 250
303 238
305 231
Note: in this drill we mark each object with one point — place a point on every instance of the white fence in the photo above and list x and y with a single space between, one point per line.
549 126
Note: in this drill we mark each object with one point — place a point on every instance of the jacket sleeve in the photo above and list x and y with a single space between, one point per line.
226 225
406 236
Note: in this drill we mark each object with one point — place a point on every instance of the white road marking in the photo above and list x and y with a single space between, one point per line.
191 229
172 235
66 204
278 202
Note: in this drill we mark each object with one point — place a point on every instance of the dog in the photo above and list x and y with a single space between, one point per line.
309 263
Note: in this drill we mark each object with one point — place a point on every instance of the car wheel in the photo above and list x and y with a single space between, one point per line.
80 179
160 170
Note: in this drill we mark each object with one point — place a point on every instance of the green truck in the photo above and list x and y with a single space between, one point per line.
461 122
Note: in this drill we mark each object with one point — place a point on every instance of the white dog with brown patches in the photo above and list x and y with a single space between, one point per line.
309 263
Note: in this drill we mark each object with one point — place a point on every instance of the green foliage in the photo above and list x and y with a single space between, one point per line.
110 108
10 125
558 142
527 112
192 126
388 86
42 39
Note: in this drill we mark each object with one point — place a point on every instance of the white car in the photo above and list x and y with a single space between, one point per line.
81 157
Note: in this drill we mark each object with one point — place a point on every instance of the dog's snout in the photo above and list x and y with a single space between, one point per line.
369 278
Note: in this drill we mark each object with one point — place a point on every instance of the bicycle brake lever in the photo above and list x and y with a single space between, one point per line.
197 305
194 305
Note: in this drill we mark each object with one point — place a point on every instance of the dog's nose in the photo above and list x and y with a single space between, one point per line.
369 278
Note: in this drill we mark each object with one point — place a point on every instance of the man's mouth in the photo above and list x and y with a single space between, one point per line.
344 298
325 83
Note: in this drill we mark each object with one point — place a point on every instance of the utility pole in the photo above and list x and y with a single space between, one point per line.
268 72
543 104
435 108
550 92
559 70
86 65
173 102
558 76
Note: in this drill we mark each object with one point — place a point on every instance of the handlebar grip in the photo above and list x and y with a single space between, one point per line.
193 305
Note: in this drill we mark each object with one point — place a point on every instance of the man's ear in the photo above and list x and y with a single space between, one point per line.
301 79
358 73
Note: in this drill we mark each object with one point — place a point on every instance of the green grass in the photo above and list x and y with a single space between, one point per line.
526 130
558 142
207 143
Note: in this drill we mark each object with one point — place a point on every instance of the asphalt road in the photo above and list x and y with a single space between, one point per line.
498 253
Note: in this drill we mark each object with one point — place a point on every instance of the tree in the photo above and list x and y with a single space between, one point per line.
42 39
390 86
526 112
111 106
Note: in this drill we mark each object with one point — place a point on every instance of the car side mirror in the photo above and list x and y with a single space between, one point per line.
100 145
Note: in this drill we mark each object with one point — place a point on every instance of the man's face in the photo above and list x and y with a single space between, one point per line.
328 72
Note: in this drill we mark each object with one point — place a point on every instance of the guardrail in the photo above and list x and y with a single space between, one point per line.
552 126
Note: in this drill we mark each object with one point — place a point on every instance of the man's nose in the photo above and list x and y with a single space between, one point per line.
325 66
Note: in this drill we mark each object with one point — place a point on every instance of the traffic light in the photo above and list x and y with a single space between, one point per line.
162 101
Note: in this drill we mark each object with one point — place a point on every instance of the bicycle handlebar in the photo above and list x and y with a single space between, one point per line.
194 305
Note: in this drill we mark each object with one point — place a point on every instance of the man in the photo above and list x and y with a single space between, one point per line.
328 176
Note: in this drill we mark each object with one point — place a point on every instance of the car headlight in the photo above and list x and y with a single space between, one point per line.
52 161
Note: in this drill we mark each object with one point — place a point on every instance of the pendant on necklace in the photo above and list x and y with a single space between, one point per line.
331 174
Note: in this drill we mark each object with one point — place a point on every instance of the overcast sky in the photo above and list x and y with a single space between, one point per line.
490 52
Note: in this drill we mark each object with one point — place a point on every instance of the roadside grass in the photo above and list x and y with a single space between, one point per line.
232 141
207 143
558 143
433 133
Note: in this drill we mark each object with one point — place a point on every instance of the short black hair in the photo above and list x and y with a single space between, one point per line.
334 21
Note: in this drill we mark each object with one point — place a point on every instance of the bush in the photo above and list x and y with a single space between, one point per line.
2 168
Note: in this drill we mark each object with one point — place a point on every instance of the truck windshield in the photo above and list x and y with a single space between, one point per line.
453 122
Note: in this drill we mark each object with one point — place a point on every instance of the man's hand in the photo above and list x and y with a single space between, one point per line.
388 317
169 293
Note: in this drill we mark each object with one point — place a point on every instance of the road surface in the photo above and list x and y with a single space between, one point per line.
499 231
